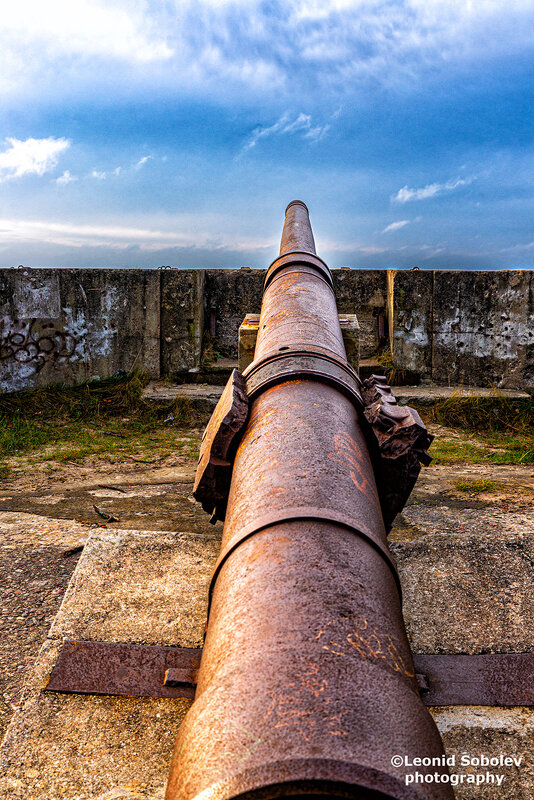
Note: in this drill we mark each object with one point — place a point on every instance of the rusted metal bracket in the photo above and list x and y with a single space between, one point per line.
219 444
125 670
398 444
133 670
489 679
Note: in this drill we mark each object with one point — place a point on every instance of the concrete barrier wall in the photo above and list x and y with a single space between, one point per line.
465 327
65 326
462 327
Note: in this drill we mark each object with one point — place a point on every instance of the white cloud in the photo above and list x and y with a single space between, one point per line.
406 195
142 162
214 46
101 176
86 27
120 237
30 156
286 126
66 178
517 247
396 226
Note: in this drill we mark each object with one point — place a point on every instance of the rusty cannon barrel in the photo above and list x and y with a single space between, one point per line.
306 686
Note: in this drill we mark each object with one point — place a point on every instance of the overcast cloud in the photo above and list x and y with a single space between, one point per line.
134 130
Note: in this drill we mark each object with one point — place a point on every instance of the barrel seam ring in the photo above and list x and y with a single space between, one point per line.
299 514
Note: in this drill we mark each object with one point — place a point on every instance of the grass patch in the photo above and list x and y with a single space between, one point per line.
477 486
107 418
495 449
494 430
394 375
494 413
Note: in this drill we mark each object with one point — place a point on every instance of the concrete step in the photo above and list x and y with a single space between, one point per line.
215 374
204 396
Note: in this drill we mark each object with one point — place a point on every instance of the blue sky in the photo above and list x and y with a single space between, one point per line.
139 133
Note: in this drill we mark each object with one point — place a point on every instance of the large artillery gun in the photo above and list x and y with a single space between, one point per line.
306 685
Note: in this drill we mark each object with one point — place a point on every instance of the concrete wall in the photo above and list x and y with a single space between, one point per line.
362 292
229 295
70 325
464 327
473 328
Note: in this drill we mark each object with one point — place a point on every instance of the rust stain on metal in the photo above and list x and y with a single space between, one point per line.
304 550
368 641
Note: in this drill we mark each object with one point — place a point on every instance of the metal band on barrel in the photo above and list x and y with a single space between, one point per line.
297 364
298 257
294 515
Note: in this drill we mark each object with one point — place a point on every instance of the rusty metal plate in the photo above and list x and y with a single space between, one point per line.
219 443
490 679
133 670
126 670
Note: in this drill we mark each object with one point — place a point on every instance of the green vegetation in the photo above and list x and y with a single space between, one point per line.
494 430
477 486
496 413
394 375
487 449
108 418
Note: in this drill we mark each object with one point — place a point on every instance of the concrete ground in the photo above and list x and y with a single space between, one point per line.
466 565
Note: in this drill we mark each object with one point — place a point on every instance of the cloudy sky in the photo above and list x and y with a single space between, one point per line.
155 132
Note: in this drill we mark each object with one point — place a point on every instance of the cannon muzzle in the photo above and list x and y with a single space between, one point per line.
306 686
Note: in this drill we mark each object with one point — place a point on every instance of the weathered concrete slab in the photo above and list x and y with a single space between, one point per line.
468 593
410 305
362 292
459 521
37 558
230 294
149 588
483 330
182 319
429 393
473 731
246 345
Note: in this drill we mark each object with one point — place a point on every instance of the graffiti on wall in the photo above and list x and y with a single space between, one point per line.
34 342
